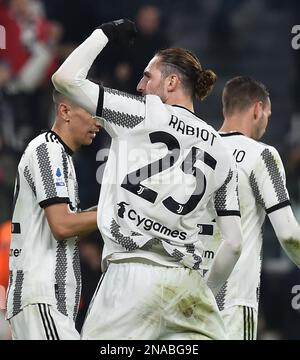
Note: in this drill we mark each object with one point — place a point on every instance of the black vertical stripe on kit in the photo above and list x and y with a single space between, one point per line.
252 324
220 297
100 101
30 180
77 275
17 297
44 322
77 200
60 276
65 167
43 159
249 322
52 322
48 321
221 194
255 189
275 176
244 315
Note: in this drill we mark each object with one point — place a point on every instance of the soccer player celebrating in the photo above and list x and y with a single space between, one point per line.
167 170
44 278
262 190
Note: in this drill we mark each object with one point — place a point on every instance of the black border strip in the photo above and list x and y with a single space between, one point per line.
100 101
249 323
56 200
252 324
244 315
278 206
230 134
228 213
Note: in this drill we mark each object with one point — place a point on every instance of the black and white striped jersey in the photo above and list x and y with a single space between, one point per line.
262 190
42 269
167 171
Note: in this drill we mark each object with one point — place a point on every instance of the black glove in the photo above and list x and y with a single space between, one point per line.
121 32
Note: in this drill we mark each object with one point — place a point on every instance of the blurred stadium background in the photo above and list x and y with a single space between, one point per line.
232 37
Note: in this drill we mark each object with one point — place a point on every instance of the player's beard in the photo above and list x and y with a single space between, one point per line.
161 92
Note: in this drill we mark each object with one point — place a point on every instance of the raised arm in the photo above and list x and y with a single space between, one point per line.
71 78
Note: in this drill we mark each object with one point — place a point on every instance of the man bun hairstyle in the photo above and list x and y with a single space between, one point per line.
195 80
204 83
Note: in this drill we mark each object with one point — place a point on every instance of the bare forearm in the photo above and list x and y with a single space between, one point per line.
65 224
80 223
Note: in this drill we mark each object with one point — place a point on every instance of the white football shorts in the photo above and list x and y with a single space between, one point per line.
42 322
148 302
240 322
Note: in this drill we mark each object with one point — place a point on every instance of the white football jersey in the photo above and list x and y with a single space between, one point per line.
262 190
42 269
167 171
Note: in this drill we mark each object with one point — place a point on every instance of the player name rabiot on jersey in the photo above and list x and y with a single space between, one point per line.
185 129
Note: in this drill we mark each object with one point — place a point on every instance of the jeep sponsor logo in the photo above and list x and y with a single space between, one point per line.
148 224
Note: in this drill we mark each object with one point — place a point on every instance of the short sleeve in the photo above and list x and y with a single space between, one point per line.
49 174
268 183
119 111
226 200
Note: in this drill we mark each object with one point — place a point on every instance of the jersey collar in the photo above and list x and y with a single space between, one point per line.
231 133
67 148
182 107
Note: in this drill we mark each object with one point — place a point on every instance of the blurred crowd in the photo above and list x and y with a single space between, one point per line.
39 36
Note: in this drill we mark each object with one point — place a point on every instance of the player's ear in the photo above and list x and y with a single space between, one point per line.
258 110
63 111
172 82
